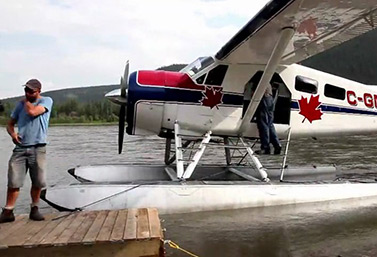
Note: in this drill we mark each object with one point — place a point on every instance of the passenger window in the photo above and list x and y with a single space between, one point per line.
306 85
335 92
216 76
200 80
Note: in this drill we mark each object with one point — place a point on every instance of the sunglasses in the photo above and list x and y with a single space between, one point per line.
30 91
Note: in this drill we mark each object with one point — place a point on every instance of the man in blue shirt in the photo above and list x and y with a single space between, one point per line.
32 116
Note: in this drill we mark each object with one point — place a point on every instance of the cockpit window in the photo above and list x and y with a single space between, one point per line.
216 75
198 65
200 80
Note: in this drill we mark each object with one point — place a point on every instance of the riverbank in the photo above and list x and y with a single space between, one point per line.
85 124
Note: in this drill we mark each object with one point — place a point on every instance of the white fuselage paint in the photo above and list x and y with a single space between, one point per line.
194 118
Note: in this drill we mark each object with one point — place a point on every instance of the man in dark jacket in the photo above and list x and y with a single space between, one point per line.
265 119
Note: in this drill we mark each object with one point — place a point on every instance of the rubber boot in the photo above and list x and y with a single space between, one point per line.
7 216
35 214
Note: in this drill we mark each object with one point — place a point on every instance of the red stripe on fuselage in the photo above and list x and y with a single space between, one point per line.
167 79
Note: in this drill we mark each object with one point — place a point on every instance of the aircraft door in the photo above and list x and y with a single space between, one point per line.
282 97
282 100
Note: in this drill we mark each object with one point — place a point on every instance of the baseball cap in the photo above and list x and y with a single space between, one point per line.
33 84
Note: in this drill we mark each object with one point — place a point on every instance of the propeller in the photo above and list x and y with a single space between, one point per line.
122 112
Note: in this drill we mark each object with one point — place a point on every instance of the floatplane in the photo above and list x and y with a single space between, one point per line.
209 104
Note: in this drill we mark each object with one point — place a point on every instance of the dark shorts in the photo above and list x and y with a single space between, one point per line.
24 159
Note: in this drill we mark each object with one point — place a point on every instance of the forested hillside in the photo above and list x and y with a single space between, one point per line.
87 94
173 67
80 105
81 94
355 59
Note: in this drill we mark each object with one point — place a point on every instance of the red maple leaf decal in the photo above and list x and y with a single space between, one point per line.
212 97
308 26
310 109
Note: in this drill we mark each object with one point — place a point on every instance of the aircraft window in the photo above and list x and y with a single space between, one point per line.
200 80
306 85
335 92
198 65
216 76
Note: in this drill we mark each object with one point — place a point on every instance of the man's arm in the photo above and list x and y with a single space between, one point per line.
34 110
12 132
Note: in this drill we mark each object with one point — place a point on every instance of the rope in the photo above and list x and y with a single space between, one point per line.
77 209
110 196
175 246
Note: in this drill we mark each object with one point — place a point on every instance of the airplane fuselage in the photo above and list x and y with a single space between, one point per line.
309 102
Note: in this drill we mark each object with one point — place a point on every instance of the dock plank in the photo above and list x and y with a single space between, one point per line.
5 227
71 229
19 232
26 232
38 237
142 224
83 228
131 225
58 230
120 223
93 231
154 223
87 233
107 227
12 227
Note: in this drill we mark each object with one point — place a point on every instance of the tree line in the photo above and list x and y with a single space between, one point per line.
88 110
72 111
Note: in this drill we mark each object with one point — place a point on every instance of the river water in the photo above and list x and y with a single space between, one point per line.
310 230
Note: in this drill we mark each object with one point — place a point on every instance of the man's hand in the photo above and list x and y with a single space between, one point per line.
33 110
16 139
10 128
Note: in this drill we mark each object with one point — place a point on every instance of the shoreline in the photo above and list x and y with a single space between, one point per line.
84 124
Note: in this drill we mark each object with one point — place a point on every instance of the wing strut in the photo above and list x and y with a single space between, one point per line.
183 173
286 35
370 21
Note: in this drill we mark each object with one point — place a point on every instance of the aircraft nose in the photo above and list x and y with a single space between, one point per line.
115 97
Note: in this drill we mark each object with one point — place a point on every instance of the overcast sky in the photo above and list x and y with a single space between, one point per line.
75 43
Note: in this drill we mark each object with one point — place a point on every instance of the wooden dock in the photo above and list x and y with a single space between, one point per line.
126 233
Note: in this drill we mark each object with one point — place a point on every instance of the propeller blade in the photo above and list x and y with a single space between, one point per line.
123 100
122 115
124 80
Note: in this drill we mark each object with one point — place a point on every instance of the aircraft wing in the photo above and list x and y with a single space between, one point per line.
319 25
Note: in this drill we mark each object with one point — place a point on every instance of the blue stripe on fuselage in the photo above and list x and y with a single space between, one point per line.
164 94
337 109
